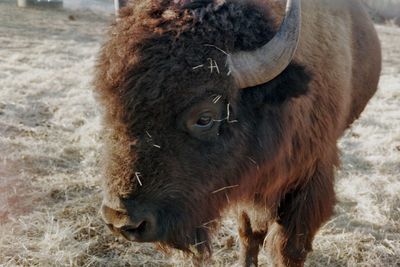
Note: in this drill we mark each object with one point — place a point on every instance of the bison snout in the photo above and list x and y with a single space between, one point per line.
139 227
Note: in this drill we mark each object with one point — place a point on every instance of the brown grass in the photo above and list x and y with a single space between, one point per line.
49 143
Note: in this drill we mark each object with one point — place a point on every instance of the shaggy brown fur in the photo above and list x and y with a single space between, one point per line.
272 146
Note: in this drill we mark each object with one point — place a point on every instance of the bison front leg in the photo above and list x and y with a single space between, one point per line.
300 214
251 238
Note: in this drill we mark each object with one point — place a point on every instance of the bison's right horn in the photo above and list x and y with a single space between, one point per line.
264 64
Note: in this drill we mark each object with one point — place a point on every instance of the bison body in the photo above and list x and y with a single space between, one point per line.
186 136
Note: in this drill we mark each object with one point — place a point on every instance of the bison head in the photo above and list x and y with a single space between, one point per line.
181 138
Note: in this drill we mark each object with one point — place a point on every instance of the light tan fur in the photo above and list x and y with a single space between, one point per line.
340 47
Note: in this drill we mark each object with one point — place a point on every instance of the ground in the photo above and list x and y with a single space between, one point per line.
49 148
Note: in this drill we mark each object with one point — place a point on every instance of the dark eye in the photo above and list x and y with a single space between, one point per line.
204 121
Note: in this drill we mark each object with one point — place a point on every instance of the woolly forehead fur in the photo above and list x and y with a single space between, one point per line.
153 41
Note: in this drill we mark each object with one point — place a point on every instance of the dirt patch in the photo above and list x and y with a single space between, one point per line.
16 195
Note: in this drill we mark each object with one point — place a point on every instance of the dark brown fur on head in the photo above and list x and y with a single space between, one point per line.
153 68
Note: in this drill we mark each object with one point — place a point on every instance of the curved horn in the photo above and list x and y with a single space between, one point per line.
252 68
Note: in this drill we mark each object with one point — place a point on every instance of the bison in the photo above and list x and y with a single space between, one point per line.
214 104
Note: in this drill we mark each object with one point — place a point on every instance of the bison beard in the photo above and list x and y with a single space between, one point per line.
183 142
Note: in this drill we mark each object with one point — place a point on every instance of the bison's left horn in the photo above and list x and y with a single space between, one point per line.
264 64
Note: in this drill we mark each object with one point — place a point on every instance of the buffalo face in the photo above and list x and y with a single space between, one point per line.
180 148
180 136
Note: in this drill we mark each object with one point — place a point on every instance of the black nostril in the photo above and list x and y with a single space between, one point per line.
134 232
140 228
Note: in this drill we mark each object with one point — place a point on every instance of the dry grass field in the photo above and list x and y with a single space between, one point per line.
49 148
386 8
